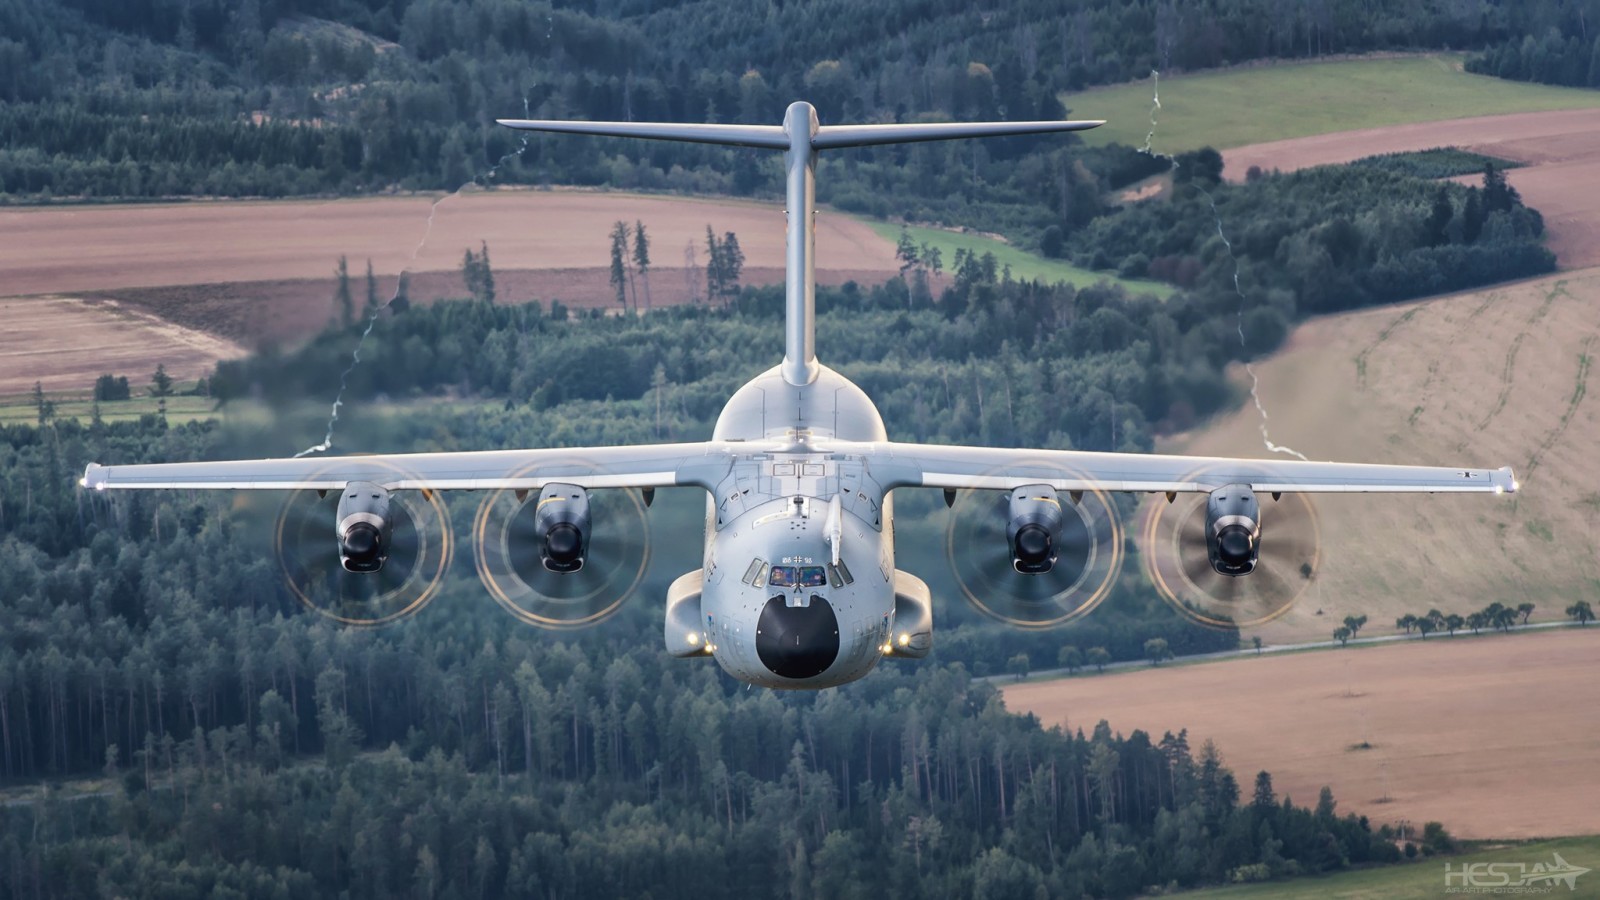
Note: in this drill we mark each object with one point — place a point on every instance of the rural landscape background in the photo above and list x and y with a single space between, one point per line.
1392 215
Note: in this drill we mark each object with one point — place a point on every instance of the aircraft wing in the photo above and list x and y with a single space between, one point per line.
927 465
647 466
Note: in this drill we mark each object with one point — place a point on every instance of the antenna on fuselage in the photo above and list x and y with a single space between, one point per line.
800 137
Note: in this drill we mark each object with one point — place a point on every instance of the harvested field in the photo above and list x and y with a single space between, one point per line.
1561 150
1496 737
286 311
65 343
1487 378
97 248
259 272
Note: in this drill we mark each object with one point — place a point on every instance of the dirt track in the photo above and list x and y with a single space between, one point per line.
1495 737
98 248
1561 150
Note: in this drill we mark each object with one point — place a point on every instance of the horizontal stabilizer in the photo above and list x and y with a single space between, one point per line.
829 136
770 136
775 137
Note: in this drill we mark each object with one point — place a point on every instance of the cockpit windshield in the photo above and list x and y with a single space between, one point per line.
802 576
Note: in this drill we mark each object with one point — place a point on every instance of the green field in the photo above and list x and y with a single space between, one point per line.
180 408
1424 878
1267 103
1025 266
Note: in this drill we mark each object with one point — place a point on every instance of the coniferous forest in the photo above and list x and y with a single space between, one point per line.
216 739
157 98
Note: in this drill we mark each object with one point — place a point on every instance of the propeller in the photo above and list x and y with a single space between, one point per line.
1088 554
544 589
1173 545
416 554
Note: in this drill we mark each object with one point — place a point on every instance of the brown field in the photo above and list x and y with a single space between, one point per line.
1496 737
99 248
65 343
1561 150
256 272
1489 378
286 311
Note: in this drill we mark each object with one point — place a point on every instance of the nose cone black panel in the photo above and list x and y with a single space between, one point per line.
797 641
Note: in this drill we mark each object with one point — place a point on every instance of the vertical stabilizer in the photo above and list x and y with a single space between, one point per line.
800 264
800 138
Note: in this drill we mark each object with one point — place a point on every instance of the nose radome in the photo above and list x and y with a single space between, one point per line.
797 641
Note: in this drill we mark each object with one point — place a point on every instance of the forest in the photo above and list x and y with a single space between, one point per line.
1548 41
222 741
241 746
107 99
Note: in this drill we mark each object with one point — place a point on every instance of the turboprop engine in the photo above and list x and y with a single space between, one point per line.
364 529
1233 529
1033 528
561 524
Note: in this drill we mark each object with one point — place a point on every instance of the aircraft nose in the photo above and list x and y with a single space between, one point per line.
797 641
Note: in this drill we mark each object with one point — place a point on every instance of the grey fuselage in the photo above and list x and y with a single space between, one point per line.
774 510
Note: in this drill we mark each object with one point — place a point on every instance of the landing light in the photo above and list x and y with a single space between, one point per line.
888 648
904 639
694 638
1499 489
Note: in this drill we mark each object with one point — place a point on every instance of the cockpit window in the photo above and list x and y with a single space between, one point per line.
802 576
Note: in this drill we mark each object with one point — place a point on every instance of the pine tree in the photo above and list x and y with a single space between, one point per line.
372 291
619 265
341 294
641 259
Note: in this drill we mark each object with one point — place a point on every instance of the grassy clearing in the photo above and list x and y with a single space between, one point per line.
20 410
1025 266
1424 878
1268 103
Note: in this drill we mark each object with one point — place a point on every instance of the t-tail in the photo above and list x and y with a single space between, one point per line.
801 138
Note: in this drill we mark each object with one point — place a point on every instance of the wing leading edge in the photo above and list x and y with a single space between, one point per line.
647 466
705 464
909 465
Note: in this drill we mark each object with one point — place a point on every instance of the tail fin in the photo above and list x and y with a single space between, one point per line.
801 137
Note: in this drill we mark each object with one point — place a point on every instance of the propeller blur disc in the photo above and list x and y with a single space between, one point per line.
1090 554
1173 545
507 545
420 549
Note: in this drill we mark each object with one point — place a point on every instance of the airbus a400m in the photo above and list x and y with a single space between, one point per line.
798 586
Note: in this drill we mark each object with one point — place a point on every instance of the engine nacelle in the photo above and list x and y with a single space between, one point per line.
1233 529
364 528
561 521
1033 528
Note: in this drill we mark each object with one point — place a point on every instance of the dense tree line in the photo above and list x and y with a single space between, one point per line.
1320 240
277 98
546 769
1547 41
254 749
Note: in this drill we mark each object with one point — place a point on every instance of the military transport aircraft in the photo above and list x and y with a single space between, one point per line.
798 587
